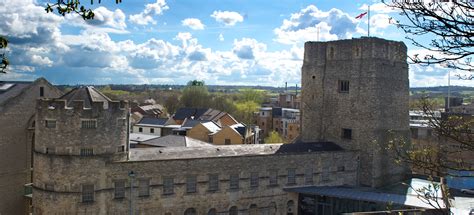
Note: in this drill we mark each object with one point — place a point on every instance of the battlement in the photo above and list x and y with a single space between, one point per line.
119 107
357 48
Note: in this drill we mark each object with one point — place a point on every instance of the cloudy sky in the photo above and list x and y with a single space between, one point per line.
228 42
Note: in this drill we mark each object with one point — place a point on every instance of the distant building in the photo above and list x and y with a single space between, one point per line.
208 114
285 121
149 110
17 137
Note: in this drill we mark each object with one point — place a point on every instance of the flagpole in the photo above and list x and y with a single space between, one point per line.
368 21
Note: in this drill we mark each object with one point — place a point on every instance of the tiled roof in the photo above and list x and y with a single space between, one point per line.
184 113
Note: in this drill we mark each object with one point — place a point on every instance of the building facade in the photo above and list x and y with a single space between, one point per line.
17 111
355 93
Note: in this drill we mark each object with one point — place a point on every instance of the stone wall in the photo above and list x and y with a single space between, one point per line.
16 139
375 107
328 168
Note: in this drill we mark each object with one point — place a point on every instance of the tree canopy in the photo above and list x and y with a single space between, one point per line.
450 25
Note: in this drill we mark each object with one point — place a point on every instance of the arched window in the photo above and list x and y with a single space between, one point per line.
190 211
212 211
253 209
290 207
233 210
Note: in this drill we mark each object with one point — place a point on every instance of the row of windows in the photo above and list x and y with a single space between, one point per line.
140 129
83 151
213 183
85 123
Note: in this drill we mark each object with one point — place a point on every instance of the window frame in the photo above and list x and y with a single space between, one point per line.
119 191
343 86
234 181
254 180
88 123
143 187
191 184
168 185
291 178
213 183
87 193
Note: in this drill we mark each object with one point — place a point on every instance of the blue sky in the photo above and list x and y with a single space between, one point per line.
224 42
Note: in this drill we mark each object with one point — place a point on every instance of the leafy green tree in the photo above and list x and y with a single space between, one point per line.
273 137
4 61
222 103
171 104
195 95
254 95
245 111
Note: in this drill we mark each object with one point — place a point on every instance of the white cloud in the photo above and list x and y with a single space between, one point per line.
146 17
378 8
221 37
309 22
193 23
229 18
105 17
248 48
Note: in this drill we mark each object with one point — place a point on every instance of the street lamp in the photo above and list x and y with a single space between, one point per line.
131 174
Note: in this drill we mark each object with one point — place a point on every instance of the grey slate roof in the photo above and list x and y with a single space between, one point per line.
208 150
86 94
152 121
175 141
189 123
13 91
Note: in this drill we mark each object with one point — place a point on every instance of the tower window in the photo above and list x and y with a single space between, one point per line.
308 176
87 193
254 179
140 129
234 182
213 182
50 123
119 191
273 178
343 86
347 133
144 187
291 176
88 123
152 130
87 152
168 185
191 184
41 91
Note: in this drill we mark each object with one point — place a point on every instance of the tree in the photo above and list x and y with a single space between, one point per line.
447 154
195 95
273 137
4 61
171 104
245 111
449 24
73 6
222 103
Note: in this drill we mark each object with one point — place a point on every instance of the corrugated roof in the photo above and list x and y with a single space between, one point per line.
364 195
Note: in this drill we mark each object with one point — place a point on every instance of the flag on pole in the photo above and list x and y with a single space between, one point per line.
360 16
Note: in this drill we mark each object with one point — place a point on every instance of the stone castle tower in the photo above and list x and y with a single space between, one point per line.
76 136
356 95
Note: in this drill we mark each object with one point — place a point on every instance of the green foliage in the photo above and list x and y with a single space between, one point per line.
171 104
254 95
195 83
3 59
114 94
245 111
195 96
273 137
221 102
73 6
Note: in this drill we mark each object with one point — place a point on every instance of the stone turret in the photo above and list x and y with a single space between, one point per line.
76 135
356 94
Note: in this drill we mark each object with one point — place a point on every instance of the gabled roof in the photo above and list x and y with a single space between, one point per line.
11 89
86 94
153 121
184 113
240 128
211 126
189 123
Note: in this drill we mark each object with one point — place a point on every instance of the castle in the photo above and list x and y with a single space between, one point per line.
354 99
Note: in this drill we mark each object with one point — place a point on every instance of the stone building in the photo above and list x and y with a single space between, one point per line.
354 92
17 111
